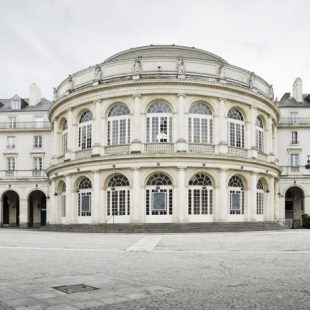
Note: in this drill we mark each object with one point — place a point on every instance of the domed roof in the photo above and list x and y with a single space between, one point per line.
174 51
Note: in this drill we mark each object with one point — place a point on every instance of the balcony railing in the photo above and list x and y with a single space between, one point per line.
295 170
22 174
25 125
83 153
116 149
201 148
294 121
236 151
159 148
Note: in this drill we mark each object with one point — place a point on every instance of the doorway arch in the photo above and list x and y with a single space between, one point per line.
10 208
36 209
294 203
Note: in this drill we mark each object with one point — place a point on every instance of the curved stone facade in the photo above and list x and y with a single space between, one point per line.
163 134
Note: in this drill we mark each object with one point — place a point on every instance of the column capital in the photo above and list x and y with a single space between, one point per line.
222 99
181 95
136 168
180 168
253 107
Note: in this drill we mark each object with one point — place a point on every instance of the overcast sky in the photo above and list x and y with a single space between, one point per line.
43 41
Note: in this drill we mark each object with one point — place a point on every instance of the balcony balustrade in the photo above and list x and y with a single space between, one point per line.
236 151
294 121
116 149
25 125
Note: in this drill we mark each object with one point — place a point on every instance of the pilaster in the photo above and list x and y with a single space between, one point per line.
136 145
137 197
181 198
181 139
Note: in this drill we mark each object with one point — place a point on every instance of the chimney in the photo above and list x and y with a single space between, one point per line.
34 94
297 90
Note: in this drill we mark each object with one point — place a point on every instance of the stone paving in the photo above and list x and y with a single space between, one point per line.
255 270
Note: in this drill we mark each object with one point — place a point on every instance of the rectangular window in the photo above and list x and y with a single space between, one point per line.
154 129
122 129
16 104
64 143
294 162
10 163
259 203
294 137
294 117
159 201
115 132
196 130
84 204
37 163
37 141
12 122
63 205
11 142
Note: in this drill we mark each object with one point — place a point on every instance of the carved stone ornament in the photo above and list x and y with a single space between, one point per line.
97 74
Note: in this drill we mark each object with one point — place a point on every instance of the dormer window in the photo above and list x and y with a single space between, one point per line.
16 103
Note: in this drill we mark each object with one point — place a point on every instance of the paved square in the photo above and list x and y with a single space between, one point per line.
255 270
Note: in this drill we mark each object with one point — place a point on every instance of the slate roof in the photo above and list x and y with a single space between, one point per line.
288 101
44 105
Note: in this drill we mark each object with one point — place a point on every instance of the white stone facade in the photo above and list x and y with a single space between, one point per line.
163 134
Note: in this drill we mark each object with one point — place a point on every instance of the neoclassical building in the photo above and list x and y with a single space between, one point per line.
163 134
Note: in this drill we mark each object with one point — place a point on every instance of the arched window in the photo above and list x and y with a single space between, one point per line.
118 196
200 195
235 128
259 133
236 195
158 195
159 122
64 135
85 130
260 197
119 125
63 200
200 124
84 203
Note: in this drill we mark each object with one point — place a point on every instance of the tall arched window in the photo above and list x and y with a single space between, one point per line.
236 195
200 195
259 133
84 197
64 136
159 122
260 197
85 130
235 128
118 195
200 124
119 125
63 200
158 195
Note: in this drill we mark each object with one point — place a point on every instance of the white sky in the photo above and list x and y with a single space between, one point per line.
43 41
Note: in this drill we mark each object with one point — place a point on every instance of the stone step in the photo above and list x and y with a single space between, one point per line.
167 227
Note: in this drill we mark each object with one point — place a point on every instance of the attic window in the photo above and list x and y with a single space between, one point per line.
16 104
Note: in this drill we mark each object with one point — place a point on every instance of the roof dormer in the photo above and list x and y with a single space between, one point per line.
16 103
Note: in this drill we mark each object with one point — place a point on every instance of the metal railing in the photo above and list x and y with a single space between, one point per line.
25 125
294 121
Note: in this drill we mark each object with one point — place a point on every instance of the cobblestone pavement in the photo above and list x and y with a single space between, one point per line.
255 270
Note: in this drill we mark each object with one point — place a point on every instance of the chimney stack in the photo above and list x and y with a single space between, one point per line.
34 94
297 90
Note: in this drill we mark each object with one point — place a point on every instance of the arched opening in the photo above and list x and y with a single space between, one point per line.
36 209
10 208
294 203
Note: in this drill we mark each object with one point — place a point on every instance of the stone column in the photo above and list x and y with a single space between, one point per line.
137 203
222 127
1 212
276 198
252 136
135 132
271 199
222 203
96 129
69 154
70 208
181 122
23 213
181 200
274 142
252 198
55 139
96 205
52 210
269 139
104 133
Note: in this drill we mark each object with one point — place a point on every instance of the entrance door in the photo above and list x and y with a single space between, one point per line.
43 217
289 210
